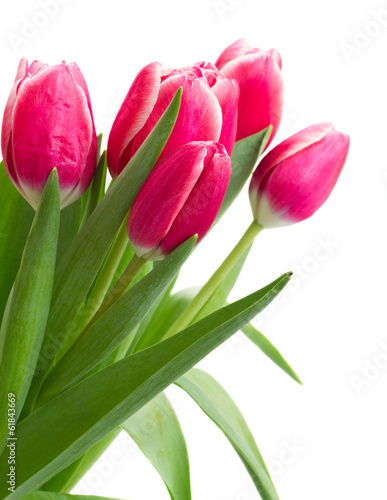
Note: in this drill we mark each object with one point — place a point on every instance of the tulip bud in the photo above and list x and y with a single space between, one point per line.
296 177
180 198
48 123
258 74
208 111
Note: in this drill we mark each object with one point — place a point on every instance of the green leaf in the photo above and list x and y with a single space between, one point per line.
77 419
170 310
82 261
70 219
156 430
270 350
244 158
15 222
69 477
26 313
97 190
113 327
45 495
219 406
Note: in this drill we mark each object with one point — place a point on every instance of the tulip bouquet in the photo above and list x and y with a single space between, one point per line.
92 331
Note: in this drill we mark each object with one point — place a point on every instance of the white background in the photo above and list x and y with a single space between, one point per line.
331 324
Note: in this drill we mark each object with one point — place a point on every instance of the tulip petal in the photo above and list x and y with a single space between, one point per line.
237 49
7 121
163 195
286 149
53 132
200 115
299 185
261 92
227 93
132 116
91 161
203 204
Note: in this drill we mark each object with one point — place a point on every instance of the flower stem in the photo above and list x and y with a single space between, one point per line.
121 286
219 275
98 291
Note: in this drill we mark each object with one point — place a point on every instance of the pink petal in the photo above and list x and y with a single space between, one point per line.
51 128
261 92
200 115
299 185
227 93
236 49
163 194
286 149
7 121
132 116
91 161
203 204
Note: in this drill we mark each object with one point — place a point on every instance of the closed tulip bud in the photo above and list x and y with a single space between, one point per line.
296 177
180 198
48 123
208 111
258 74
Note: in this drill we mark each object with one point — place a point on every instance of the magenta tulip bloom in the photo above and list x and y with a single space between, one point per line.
48 123
180 198
258 74
297 176
208 111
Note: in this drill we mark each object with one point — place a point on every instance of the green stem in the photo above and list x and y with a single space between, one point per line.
98 291
219 275
121 286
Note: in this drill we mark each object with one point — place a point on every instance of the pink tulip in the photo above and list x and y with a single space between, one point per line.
296 177
180 198
208 111
258 74
48 123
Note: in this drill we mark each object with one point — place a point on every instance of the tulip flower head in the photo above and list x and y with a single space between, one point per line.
180 198
258 74
48 123
296 177
208 111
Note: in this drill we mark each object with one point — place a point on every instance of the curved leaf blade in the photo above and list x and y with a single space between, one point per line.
269 350
162 442
27 309
84 414
218 405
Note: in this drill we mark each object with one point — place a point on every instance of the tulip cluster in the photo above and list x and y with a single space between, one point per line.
48 123
89 327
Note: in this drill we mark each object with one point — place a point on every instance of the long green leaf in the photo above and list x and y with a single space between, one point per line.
244 158
219 406
82 261
70 219
269 350
171 309
97 190
81 416
111 329
15 222
26 313
69 477
156 430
